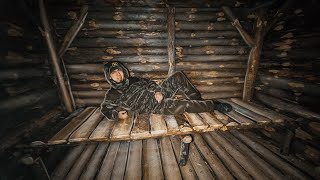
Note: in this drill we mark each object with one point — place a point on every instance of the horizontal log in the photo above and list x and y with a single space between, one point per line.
13 103
89 94
26 86
222 95
88 102
216 50
286 51
154 34
154 58
287 107
218 88
138 67
298 74
13 59
147 25
212 74
102 85
139 42
289 84
25 73
290 96
219 80
117 42
212 58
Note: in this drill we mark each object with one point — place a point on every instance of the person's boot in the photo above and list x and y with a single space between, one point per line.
222 107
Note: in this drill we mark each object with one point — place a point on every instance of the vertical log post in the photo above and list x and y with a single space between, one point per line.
184 150
171 40
253 60
54 58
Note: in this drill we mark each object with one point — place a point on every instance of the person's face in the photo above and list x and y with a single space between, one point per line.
117 75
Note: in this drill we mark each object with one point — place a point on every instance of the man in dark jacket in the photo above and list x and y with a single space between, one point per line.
142 95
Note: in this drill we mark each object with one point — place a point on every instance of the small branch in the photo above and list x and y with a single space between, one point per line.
235 22
73 31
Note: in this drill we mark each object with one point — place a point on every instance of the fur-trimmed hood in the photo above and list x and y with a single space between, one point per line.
111 66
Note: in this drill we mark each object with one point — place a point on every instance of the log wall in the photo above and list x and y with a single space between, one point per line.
289 78
208 49
27 90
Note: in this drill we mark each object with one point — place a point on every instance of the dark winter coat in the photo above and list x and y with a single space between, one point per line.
133 94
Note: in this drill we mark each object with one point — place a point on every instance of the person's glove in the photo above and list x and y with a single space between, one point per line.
222 107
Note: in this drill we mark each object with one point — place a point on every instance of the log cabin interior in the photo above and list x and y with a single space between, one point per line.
262 57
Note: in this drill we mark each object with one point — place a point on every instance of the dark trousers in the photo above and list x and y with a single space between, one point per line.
193 104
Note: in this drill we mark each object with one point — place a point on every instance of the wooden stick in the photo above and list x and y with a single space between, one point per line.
73 31
253 61
171 40
235 22
54 58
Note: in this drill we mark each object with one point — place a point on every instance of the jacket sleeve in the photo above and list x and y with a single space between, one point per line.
108 108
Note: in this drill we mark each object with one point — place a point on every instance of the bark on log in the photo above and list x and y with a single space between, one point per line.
292 85
88 102
221 95
287 107
210 50
89 94
155 34
219 88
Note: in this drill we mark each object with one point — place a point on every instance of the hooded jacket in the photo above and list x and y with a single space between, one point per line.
132 94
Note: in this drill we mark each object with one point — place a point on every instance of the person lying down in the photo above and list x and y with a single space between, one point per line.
140 95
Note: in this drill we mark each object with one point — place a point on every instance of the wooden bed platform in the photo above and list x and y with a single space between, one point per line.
213 155
90 125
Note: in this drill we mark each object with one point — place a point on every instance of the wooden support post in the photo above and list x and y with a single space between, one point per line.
171 40
253 61
54 58
184 150
235 22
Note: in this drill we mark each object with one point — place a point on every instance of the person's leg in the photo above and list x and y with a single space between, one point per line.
176 106
178 81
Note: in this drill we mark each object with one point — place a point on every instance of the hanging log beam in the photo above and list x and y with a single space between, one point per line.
73 31
235 22
54 57
171 40
253 61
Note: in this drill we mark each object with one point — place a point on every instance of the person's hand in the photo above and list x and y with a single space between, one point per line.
158 96
123 114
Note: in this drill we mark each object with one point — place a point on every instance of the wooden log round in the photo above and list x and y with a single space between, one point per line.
89 94
219 88
88 102
216 50
221 95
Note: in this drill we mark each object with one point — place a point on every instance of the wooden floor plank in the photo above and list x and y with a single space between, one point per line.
93 165
122 128
254 171
120 162
84 131
211 120
134 162
187 171
64 133
195 121
108 162
172 124
199 165
158 125
230 163
184 126
152 167
243 121
141 127
224 119
169 162
274 116
248 113
80 164
220 171
65 165
103 130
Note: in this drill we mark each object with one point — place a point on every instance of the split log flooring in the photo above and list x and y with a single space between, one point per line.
213 155
92 126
